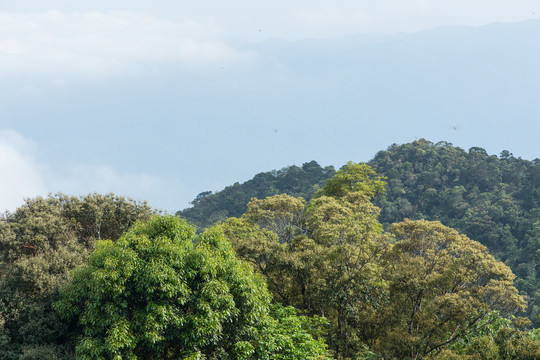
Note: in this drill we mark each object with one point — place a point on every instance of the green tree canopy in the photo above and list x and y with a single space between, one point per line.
209 208
323 258
497 338
354 178
442 285
161 292
40 243
492 199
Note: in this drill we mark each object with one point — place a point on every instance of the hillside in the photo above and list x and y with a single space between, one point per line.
77 272
304 181
492 199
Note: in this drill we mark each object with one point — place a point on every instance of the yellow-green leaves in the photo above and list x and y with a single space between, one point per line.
350 219
354 178
281 214
441 285
324 258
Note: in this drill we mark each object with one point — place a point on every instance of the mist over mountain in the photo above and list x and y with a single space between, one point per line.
274 103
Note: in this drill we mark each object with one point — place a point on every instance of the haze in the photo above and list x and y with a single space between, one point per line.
160 101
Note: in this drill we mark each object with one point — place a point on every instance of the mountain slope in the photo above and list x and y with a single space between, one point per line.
492 199
304 181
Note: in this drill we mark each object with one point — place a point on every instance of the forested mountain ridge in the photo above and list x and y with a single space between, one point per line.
304 181
492 199
102 277
439 181
123 273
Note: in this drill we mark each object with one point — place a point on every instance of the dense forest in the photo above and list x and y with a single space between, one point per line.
411 256
40 244
492 199
208 207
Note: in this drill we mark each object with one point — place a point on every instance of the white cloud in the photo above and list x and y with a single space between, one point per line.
23 176
285 19
20 174
333 18
83 178
64 45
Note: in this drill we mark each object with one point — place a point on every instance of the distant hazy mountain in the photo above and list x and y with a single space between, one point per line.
180 131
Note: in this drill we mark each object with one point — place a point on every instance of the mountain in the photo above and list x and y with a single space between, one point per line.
304 181
168 133
492 199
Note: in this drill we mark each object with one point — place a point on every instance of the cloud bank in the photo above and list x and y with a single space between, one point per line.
93 44
81 179
21 174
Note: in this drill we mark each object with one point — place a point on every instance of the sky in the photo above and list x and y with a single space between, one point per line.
162 100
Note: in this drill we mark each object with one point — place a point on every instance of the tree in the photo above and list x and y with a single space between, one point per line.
442 285
354 178
498 338
281 214
40 243
161 292
323 258
209 208
344 223
494 200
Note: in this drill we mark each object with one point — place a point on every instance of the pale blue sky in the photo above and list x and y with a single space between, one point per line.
162 100
305 18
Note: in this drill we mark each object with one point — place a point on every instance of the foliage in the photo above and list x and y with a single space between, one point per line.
494 200
442 285
412 300
209 208
498 338
161 292
285 335
353 177
322 258
281 214
40 243
421 290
